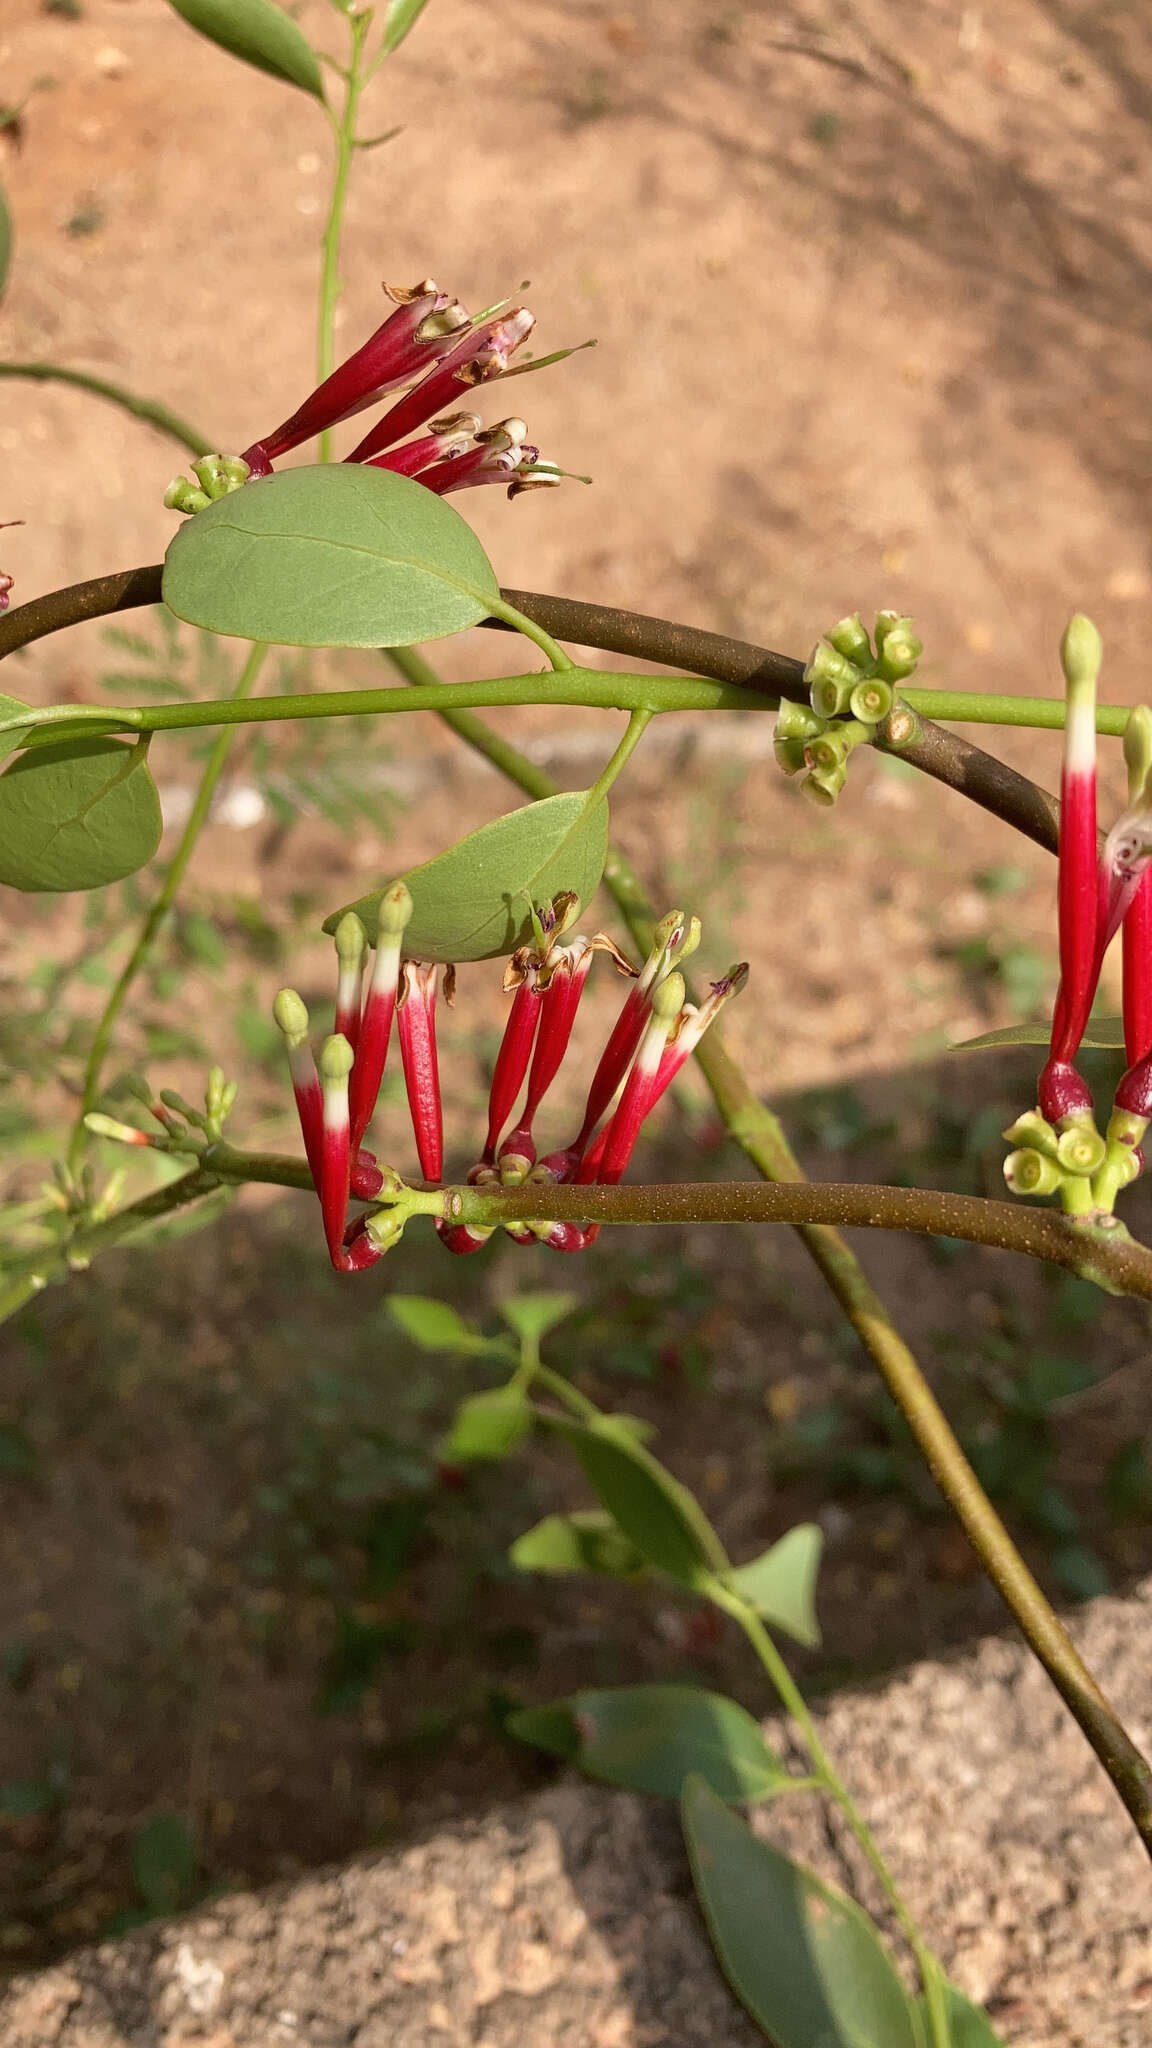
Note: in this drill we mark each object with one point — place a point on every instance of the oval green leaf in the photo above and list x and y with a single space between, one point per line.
664 1521
968 2026
472 902
434 1325
650 1738
11 707
587 1541
402 15
334 555
806 1962
781 1584
77 815
487 1425
533 1315
260 34
1104 1034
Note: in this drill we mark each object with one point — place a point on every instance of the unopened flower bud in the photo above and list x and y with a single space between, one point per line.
900 653
1081 653
1080 1149
182 496
823 786
218 475
291 1015
831 680
871 700
1033 1129
1028 1172
850 639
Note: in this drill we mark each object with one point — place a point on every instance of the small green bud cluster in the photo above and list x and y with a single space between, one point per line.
851 686
183 1128
1071 1159
216 476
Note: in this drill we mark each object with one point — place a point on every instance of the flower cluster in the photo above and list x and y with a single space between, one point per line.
655 1032
433 344
1100 892
851 688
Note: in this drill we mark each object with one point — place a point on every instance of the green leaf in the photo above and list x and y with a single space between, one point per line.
433 1324
487 1425
968 2026
164 1862
650 1738
5 243
333 555
259 33
657 1514
587 1541
781 1585
533 1315
77 815
11 707
1104 1034
804 1959
472 902
401 16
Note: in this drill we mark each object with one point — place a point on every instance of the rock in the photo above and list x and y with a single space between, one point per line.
566 1920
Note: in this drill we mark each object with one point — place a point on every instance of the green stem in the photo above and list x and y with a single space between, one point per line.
149 409
637 726
794 1703
345 134
976 707
154 921
500 608
591 688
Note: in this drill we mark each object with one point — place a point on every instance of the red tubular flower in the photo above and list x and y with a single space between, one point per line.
1061 1090
420 333
559 1002
416 1023
512 1058
675 938
481 354
292 1019
335 1156
351 952
640 1087
393 915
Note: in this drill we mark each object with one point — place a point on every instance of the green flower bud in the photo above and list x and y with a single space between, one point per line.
336 1057
182 496
901 652
1028 1172
351 940
830 680
823 786
871 700
668 996
1034 1130
1080 1149
850 639
1081 652
826 753
291 1015
220 474
790 756
394 912
794 721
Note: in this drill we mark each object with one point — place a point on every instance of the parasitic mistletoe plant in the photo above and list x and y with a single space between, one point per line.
364 553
